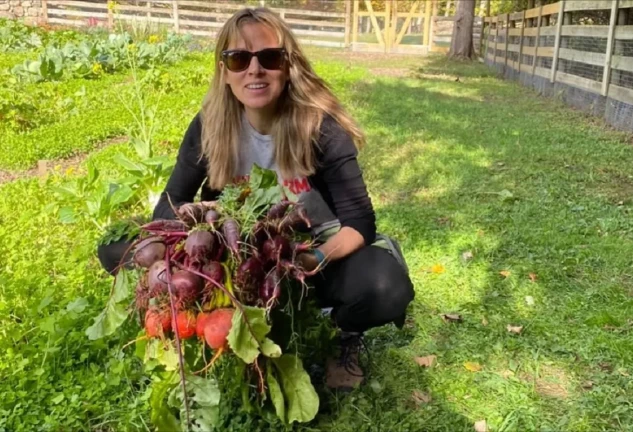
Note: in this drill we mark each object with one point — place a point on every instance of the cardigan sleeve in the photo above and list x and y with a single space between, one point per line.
187 176
339 173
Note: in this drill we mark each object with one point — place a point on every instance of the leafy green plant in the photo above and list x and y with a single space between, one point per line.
92 198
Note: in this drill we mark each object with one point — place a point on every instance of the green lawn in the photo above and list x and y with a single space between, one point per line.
511 210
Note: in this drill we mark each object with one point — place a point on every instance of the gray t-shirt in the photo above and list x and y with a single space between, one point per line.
259 149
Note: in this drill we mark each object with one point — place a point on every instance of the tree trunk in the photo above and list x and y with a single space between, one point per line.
462 41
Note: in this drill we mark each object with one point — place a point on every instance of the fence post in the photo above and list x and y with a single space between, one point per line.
176 17
355 23
348 21
505 61
494 57
427 24
45 11
521 40
559 27
607 59
539 20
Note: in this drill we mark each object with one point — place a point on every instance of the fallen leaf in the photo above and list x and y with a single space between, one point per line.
529 300
532 277
426 361
605 366
473 367
484 321
515 329
506 195
504 273
467 256
452 317
587 385
623 372
481 426
438 269
420 398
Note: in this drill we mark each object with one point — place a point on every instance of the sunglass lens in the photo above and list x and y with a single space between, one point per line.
271 59
238 60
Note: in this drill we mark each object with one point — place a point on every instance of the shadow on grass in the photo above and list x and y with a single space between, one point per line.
483 166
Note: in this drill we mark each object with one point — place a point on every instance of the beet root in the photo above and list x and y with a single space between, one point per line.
157 279
199 245
157 322
148 251
217 327
187 287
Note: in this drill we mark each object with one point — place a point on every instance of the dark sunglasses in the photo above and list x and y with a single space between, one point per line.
239 60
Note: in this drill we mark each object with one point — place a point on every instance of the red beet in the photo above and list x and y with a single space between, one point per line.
199 245
217 328
248 278
214 270
276 248
168 225
270 290
278 210
187 287
186 324
231 231
211 217
157 278
201 321
157 322
148 251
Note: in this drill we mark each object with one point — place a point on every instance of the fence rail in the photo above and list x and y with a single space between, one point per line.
563 42
586 45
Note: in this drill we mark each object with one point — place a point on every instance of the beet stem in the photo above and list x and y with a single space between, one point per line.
181 362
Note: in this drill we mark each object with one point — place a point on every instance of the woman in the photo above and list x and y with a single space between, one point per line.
267 106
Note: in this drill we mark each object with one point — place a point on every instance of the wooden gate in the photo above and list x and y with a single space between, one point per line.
401 27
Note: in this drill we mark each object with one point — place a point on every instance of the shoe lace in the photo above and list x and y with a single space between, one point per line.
351 347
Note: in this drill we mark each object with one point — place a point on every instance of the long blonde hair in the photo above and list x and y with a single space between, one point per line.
300 112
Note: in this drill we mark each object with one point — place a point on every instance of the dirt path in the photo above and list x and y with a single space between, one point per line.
7 176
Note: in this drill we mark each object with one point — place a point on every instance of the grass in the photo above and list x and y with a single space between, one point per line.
511 210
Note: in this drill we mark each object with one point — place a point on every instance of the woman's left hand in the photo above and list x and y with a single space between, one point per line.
307 261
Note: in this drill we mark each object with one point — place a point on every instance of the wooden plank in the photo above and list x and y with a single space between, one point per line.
354 24
202 14
285 11
75 3
129 8
585 30
176 17
370 14
514 32
513 48
532 13
622 63
530 31
407 22
539 23
374 23
71 22
45 11
584 5
523 23
201 23
592 58
624 4
315 23
580 82
517 16
542 72
606 75
551 9
322 43
348 17
314 33
548 30
70 13
621 94
427 24
624 32
526 68
559 26
152 19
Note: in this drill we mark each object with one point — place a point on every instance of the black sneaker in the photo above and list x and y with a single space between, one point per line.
344 373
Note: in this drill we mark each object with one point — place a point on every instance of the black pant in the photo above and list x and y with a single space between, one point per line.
367 289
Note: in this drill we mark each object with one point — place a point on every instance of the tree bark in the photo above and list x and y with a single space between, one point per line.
462 40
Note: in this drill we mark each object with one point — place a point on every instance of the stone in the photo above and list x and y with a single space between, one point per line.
18 11
4 7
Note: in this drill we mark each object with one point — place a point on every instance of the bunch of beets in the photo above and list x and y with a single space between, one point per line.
198 269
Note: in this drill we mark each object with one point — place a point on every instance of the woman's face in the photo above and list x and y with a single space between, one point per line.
256 87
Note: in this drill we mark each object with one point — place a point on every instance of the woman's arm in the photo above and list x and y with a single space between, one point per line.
340 180
188 174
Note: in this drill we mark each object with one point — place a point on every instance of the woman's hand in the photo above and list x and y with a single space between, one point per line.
307 261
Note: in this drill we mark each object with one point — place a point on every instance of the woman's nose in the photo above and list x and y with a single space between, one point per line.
254 68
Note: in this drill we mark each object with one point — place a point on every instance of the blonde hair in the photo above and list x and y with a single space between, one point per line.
300 111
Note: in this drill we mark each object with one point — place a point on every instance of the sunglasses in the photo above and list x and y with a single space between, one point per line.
240 60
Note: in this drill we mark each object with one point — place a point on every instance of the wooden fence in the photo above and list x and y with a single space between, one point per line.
419 30
196 17
584 44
